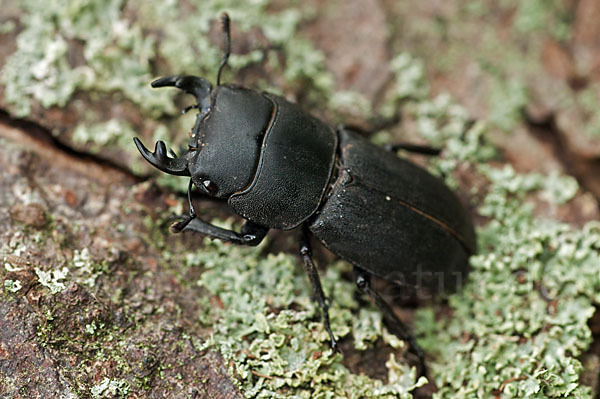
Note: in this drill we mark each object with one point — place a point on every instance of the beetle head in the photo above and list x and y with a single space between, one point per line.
189 164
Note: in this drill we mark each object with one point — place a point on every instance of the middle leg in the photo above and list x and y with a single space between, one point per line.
313 275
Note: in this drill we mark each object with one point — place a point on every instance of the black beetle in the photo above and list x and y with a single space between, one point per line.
280 168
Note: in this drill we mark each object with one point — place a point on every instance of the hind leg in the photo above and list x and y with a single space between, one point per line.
398 328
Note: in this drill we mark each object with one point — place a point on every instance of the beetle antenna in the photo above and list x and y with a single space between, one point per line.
227 32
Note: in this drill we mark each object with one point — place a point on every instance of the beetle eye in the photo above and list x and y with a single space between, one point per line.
210 186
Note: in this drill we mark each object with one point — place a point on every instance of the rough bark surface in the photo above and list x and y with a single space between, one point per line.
118 303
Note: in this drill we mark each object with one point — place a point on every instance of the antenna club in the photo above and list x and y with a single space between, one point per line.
227 32
225 22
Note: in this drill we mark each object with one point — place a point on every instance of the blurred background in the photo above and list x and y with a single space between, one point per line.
513 84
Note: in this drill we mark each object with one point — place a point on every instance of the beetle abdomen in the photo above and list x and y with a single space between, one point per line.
392 218
295 164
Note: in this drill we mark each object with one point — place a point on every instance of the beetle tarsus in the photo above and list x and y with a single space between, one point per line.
227 31
180 225
398 328
315 281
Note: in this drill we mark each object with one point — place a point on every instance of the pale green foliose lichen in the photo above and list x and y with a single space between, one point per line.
552 16
12 285
85 268
277 352
52 279
48 67
80 269
589 100
104 133
409 83
520 321
108 388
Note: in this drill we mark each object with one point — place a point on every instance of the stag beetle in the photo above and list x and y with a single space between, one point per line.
281 168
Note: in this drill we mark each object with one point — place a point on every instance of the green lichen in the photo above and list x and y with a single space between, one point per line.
52 279
589 101
508 97
108 133
81 269
521 320
85 268
12 285
7 27
409 83
552 16
110 388
277 352
115 56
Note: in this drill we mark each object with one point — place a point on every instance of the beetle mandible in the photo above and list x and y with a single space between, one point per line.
281 168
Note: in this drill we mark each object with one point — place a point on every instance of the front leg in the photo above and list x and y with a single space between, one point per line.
252 234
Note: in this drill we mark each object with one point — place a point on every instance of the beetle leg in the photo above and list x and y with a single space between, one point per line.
417 149
313 275
251 234
363 281
177 227
189 195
